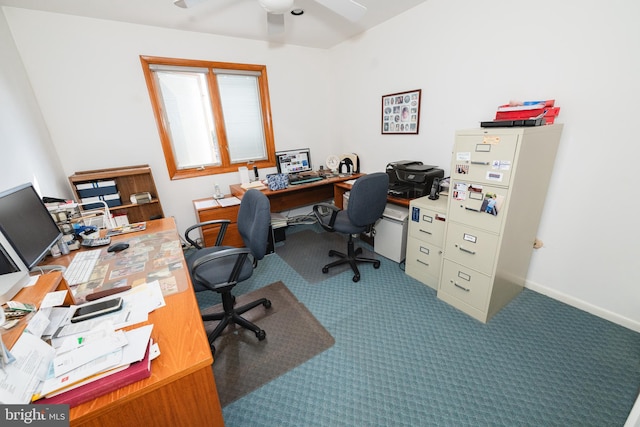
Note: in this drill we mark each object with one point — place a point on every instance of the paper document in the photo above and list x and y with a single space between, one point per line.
229 201
20 379
203 204
84 354
259 185
137 341
53 299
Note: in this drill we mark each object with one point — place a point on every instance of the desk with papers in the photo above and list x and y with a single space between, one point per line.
180 389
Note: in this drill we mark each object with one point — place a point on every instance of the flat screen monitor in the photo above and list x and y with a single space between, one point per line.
294 161
13 273
27 224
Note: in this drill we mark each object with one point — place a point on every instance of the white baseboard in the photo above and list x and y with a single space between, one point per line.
582 305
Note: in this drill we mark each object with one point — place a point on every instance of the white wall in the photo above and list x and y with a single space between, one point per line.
89 83
27 152
468 57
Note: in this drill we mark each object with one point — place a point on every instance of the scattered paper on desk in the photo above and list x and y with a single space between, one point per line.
32 281
38 323
203 204
71 360
350 181
229 201
258 185
137 343
19 380
52 383
53 299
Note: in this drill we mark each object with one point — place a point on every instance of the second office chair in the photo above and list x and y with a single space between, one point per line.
367 200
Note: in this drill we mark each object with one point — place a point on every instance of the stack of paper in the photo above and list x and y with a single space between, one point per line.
258 185
85 359
278 220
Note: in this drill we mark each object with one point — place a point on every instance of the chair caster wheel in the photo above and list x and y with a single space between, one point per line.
261 335
356 278
376 264
267 304
325 270
332 252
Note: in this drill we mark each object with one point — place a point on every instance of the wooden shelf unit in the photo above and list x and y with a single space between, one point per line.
129 180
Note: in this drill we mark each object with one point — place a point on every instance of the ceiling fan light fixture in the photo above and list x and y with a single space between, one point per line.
276 6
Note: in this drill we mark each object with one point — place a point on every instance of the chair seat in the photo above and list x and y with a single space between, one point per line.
221 267
343 225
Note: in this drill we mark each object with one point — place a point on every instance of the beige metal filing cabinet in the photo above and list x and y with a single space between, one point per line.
499 181
425 237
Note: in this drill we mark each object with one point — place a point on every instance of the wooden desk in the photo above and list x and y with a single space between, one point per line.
181 390
210 233
340 188
299 195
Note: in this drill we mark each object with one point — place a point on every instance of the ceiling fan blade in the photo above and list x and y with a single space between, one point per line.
187 3
349 9
275 23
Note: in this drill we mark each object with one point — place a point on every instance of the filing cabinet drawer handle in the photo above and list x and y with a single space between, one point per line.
466 250
422 262
461 287
479 163
425 231
471 209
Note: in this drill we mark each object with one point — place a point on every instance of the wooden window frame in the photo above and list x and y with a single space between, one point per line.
226 165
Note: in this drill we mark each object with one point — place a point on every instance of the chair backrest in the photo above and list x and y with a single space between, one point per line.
368 198
254 219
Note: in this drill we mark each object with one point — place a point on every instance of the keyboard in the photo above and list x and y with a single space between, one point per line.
297 181
81 267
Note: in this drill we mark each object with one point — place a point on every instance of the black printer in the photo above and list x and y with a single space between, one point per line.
409 179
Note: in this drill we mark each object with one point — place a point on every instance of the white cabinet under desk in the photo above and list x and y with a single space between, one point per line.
499 181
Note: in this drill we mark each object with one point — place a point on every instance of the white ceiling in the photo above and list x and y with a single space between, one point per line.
319 27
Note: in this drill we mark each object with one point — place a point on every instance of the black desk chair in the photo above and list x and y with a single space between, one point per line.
219 268
367 200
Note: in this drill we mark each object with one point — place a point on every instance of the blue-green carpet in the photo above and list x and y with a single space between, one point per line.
404 358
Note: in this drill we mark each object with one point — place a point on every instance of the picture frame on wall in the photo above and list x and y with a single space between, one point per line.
401 113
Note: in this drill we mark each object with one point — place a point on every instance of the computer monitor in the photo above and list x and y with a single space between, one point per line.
294 161
13 273
27 224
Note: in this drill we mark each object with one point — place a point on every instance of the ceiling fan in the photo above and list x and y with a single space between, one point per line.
349 9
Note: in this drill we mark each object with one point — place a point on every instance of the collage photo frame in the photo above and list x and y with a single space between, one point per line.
401 112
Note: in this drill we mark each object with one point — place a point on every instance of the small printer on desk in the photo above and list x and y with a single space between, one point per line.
409 179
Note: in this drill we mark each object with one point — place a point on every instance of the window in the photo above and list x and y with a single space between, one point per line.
212 116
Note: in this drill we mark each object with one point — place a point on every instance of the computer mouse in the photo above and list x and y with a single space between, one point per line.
117 247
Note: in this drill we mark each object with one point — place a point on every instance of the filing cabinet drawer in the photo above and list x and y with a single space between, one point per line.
471 247
210 233
486 158
483 206
468 286
427 225
423 261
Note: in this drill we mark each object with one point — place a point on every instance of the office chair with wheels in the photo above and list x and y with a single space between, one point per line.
367 200
219 268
